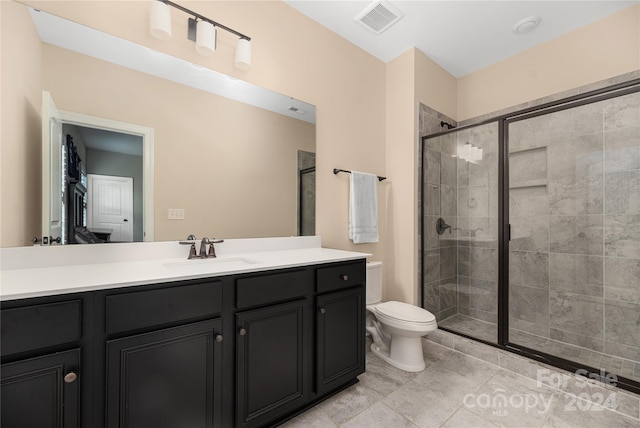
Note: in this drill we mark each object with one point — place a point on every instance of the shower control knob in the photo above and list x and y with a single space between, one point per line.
344 277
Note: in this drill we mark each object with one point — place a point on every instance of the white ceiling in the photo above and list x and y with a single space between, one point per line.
461 36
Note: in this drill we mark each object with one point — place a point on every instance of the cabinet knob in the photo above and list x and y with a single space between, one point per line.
323 310
70 377
243 332
219 338
344 277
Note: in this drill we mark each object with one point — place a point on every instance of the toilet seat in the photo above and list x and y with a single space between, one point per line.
404 312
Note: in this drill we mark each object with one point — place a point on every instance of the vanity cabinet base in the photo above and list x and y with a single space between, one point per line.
245 350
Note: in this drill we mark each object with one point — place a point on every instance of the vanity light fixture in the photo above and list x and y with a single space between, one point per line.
243 54
201 30
160 20
205 38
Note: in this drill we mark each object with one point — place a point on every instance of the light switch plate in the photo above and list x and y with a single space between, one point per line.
176 214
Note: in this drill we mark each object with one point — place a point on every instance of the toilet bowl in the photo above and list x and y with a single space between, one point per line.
396 328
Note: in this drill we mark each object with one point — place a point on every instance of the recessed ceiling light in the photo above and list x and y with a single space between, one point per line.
526 25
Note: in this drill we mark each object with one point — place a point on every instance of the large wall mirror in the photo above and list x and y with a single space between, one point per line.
206 154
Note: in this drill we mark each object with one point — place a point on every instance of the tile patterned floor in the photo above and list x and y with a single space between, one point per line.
493 388
488 332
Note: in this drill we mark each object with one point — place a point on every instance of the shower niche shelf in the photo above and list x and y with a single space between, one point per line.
531 183
528 168
526 150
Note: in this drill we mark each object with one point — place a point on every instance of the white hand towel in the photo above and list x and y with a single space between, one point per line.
363 207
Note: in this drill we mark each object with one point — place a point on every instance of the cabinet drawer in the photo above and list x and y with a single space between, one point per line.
265 289
131 311
341 276
40 326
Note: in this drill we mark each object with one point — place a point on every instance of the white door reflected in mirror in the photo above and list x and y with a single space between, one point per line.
52 189
65 216
110 205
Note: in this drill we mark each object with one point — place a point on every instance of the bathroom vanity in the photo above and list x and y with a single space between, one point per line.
243 341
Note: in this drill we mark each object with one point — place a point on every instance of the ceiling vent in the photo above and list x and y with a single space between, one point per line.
379 16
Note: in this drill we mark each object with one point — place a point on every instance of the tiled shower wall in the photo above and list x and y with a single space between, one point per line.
477 221
461 266
440 258
575 214
438 193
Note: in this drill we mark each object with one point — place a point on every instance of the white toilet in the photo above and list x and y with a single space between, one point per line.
395 327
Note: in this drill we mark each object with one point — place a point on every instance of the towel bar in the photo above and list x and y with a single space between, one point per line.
337 170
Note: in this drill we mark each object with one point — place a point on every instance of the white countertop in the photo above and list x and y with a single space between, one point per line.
44 271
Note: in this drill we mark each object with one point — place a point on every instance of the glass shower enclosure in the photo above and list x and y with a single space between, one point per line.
460 259
531 232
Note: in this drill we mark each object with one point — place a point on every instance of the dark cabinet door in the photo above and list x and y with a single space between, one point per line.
41 392
340 338
168 378
270 362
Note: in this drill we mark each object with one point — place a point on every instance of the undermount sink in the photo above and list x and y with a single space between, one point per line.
212 263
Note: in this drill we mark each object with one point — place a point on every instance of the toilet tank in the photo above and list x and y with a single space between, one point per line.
374 282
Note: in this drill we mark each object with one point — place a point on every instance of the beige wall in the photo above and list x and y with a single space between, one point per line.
20 127
435 87
401 264
297 57
366 111
598 51
232 167
412 78
578 58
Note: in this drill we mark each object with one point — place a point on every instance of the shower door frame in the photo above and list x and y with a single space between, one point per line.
504 228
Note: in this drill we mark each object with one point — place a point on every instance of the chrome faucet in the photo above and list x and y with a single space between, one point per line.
203 254
203 248
212 248
191 240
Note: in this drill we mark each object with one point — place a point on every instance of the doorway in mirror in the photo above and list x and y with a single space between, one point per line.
306 193
76 145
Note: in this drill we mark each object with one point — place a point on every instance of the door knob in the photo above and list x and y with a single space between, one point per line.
243 332
219 338
323 310
70 377
126 219
344 277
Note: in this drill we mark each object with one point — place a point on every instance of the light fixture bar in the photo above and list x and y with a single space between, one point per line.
204 18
